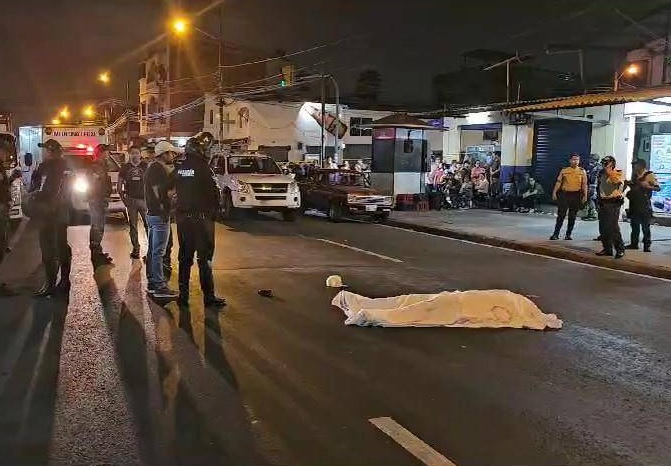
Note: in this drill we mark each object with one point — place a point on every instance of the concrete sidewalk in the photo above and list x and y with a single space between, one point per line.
530 233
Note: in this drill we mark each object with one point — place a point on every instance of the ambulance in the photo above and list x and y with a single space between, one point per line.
79 143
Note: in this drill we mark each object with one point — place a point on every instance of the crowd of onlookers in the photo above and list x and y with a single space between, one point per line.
477 183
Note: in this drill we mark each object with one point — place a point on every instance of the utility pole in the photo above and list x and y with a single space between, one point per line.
322 155
336 145
167 84
220 68
507 63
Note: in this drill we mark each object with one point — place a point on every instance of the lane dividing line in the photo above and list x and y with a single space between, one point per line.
503 248
410 442
363 251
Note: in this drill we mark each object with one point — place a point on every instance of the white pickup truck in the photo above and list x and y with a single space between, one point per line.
254 182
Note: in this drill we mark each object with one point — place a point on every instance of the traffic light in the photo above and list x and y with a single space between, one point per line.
287 76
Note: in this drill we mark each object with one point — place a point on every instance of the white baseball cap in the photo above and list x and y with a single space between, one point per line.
165 146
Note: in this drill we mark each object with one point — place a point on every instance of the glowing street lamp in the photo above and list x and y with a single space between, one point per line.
89 112
104 77
55 121
631 70
64 113
180 26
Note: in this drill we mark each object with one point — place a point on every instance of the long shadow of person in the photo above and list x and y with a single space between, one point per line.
29 381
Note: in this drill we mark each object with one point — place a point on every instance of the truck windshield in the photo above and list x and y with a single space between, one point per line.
251 164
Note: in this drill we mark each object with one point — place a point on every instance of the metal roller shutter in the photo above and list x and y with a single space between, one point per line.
554 141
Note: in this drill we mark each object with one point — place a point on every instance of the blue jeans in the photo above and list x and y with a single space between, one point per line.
159 231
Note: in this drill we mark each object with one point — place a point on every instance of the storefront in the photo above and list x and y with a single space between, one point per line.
652 143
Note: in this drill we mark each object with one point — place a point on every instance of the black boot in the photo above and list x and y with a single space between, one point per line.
48 289
63 286
646 248
184 278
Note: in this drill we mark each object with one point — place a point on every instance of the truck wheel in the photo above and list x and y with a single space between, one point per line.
289 215
335 212
383 217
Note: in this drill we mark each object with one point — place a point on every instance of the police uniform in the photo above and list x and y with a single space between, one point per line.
99 192
196 207
572 182
640 206
593 173
610 190
49 184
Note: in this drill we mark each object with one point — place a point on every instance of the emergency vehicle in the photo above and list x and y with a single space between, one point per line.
79 143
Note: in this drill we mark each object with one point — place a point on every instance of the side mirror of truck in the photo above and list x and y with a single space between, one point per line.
28 160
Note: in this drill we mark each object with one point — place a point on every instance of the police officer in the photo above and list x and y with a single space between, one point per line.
570 193
197 204
642 184
100 189
593 171
130 187
610 190
49 184
5 204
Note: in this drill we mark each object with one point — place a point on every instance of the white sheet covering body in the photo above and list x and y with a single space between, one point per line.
474 309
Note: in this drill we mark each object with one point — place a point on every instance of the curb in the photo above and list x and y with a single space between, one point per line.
542 250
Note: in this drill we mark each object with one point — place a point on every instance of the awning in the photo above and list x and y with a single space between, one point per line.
592 100
400 120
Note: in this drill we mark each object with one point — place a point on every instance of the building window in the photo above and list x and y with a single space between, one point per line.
211 117
354 131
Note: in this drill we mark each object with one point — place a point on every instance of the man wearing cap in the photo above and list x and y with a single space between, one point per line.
157 185
130 187
610 190
197 204
570 193
643 183
99 193
49 184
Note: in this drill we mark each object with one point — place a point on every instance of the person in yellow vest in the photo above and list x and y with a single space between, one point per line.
570 193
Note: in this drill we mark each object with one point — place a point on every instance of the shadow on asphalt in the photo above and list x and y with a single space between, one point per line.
29 379
175 429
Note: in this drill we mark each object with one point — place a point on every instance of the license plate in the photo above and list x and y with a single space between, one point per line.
371 208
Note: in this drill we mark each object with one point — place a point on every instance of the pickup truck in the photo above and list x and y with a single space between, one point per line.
254 182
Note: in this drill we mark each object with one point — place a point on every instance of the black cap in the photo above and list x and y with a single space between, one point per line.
51 144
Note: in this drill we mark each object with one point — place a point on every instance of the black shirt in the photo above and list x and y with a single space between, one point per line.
197 191
101 183
157 175
132 179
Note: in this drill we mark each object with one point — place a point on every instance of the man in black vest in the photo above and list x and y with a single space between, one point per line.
643 183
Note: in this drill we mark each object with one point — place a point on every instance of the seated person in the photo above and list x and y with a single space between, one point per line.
531 196
481 188
466 193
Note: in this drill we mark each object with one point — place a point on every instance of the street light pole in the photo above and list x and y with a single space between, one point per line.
221 76
336 148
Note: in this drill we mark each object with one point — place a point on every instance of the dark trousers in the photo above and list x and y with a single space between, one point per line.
4 233
195 236
136 209
55 250
609 226
97 212
567 201
530 202
640 222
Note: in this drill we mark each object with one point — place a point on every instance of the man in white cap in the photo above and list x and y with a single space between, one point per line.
157 185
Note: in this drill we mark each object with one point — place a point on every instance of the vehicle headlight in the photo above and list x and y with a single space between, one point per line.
293 187
243 188
81 185
388 200
352 198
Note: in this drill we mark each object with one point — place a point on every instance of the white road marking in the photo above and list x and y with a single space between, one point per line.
503 248
364 251
410 442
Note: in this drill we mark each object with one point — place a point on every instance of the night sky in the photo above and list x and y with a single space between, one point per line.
52 50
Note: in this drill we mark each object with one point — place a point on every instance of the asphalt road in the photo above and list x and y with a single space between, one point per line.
110 377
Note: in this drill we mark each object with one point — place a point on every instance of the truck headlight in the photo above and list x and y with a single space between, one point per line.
388 200
243 188
81 185
293 188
